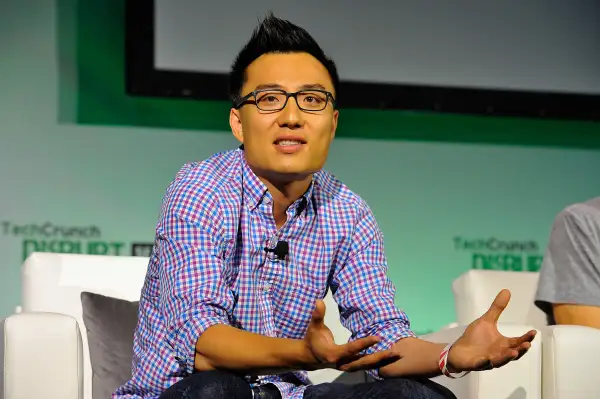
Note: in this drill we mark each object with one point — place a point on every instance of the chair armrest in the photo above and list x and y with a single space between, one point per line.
42 357
570 362
520 379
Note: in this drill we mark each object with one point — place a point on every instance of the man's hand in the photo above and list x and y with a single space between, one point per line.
482 347
327 354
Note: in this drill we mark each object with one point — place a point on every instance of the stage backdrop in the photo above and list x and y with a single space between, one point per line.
83 167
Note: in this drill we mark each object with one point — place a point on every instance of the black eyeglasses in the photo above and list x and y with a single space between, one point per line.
272 100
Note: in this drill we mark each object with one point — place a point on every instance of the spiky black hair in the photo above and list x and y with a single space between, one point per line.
275 35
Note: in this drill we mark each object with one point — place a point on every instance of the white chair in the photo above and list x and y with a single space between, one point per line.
569 353
45 344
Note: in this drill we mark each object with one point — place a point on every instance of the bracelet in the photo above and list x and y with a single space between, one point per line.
444 362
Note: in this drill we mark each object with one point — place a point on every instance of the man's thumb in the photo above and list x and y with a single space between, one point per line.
319 313
498 306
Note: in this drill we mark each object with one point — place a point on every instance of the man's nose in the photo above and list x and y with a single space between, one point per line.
291 116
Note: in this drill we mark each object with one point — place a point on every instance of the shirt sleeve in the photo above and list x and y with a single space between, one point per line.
193 293
364 292
570 271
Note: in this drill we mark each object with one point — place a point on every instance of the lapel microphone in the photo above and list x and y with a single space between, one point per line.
281 250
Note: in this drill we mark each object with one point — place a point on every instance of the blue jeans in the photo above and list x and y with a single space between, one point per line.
218 385
224 385
393 388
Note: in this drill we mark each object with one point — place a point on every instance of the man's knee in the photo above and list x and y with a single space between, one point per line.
209 384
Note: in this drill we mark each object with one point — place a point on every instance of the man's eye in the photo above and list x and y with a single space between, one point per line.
270 98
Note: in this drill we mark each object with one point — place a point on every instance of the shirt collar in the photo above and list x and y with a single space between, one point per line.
254 189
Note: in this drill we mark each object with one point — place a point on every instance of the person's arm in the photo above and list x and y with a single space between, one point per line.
417 358
193 295
365 294
226 347
569 283
480 347
581 315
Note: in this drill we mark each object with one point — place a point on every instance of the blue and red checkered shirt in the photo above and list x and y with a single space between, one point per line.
209 266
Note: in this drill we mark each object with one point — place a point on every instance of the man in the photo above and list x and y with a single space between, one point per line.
249 241
569 283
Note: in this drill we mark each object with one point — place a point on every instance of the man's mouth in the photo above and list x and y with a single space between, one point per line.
289 145
286 143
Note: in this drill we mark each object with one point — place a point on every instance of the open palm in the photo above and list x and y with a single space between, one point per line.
482 347
347 357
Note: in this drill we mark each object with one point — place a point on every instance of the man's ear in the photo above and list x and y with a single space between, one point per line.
336 114
235 122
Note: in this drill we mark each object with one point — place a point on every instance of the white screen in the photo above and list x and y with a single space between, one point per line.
511 44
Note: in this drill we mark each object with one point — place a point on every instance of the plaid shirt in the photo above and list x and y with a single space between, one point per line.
209 266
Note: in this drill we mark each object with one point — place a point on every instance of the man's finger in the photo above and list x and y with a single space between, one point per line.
354 347
510 354
523 350
527 337
484 364
504 358
375 360
318 315
498 306
501 362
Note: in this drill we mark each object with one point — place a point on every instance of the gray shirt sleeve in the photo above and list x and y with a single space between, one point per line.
570 272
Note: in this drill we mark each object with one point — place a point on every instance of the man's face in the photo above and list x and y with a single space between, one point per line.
290 144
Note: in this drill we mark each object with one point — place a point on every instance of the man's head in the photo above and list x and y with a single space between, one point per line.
289 143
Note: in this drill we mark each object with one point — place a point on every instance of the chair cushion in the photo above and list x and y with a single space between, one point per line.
110 325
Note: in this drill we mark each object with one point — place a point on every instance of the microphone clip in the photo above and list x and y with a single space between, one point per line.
281 250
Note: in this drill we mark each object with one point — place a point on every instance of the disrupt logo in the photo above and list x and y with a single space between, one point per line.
497 254
72 247
48 237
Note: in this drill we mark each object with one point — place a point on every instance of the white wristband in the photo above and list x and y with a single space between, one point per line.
443 363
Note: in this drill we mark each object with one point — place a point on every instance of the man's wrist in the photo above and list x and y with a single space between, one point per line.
452 369
447 366
295 354
308 361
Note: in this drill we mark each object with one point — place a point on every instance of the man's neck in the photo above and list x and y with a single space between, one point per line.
284 194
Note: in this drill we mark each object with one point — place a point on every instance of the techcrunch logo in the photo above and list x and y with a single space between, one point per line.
49 237
497 254
495 245
48 230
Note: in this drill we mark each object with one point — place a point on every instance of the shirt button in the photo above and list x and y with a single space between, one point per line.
267 287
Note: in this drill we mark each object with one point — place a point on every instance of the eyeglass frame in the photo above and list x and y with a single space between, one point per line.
244 100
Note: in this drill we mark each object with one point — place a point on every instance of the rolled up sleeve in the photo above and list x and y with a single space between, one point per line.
194 294
364 292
